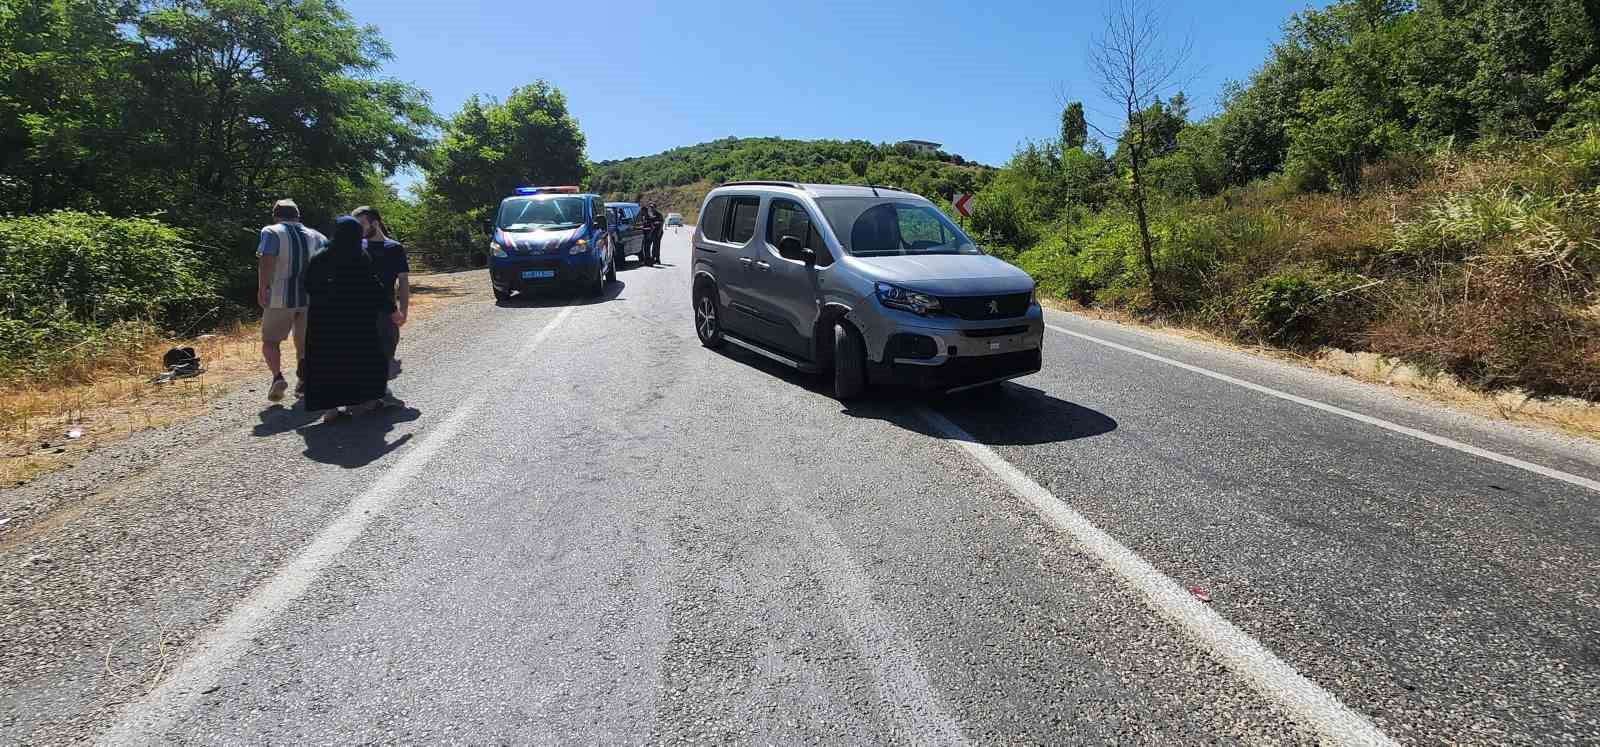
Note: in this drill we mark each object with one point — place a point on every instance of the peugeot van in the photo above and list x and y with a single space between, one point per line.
871 285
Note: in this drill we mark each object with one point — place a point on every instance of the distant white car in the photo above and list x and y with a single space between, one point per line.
674 219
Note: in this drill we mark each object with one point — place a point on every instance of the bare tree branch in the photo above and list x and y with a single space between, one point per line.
1136 65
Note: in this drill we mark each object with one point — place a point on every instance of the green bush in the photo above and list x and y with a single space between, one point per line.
1297 307
70 281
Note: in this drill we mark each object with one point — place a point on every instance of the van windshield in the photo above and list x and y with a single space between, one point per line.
540 213
875 227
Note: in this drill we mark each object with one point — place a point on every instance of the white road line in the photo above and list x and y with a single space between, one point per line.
1449 443
1275 679
919 716
147 720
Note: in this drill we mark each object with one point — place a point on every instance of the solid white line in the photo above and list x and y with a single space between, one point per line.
148 719
1449 443
1275 679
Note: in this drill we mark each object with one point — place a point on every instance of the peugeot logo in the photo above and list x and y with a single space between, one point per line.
994 308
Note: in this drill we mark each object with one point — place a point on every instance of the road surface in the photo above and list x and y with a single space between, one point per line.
585 528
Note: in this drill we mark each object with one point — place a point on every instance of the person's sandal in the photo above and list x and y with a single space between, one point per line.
334 415
365 408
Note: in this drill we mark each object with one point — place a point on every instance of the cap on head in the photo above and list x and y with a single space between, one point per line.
285 209
367 210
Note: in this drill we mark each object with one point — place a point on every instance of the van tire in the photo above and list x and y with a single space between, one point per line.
501 296
849 362
705 305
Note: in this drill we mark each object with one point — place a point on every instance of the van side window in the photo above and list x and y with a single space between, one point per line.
712 220
743 225
789 218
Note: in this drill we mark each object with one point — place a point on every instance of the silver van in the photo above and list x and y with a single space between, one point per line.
870 284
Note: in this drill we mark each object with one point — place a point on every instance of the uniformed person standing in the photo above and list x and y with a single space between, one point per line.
654 229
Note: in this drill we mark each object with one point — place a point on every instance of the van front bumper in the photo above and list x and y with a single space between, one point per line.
958 373
568 271
949 358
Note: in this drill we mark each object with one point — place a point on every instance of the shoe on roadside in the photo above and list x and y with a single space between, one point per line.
300 389
276 390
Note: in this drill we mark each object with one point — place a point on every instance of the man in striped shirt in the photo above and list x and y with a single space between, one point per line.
285 249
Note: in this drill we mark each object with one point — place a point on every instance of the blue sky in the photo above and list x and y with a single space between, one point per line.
979 76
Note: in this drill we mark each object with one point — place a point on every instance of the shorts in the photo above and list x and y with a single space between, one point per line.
276 324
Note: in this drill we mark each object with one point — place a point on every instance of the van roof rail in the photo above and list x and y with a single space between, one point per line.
760 183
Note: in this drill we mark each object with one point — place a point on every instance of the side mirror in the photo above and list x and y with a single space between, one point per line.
789 247
600 223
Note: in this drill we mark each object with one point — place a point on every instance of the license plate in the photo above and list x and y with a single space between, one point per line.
534 274
994 346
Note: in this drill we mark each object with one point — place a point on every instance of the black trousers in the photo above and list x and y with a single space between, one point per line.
389 334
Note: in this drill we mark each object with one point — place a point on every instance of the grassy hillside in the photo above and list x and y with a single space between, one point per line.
677 180
1480 263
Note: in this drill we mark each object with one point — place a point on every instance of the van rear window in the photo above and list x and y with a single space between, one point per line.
713 218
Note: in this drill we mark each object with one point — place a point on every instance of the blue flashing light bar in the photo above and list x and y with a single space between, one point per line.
546 190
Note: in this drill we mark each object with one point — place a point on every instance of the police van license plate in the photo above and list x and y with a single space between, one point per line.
534 274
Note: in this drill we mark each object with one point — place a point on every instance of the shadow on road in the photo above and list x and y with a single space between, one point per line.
1010 414
556 298
279 419
357 442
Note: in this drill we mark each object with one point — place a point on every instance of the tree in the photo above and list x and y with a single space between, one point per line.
66 89
255 99
207 108
491 148
1136 66
1074 128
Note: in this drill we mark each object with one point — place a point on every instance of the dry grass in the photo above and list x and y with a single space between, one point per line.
112 398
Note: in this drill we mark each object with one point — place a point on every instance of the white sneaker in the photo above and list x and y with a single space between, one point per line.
279 386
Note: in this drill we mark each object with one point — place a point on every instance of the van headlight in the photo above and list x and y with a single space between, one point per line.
496 250
915 302
579 247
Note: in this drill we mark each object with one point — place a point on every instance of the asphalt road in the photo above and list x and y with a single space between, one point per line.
586 528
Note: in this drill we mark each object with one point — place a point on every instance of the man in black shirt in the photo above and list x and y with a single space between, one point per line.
394 272
652 238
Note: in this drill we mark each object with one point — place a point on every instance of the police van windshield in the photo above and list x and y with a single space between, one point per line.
873 227
540 213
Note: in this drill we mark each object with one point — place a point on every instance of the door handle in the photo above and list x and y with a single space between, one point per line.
745 261
763 265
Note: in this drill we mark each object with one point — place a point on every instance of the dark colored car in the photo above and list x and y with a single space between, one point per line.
627 230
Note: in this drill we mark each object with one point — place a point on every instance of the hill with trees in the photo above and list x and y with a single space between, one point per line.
678 179
1417 179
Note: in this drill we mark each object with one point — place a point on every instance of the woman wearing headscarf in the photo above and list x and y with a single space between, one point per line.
346 364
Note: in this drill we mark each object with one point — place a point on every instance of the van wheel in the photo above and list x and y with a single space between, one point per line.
707 324
611 270
849 362
502 296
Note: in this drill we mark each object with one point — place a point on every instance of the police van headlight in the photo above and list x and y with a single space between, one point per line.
580 246
496 250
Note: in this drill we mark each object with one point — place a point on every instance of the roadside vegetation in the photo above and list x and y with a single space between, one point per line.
1419 180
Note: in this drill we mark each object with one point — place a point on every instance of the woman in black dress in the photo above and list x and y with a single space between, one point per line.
345 364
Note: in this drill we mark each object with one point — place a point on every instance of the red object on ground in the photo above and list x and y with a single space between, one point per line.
1199 593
